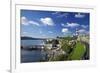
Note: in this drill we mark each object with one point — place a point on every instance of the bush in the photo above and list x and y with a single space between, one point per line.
60 58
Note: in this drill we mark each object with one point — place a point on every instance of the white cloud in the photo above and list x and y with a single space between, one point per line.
79 15
83 31
60 14
24 32
40 32
72 24
50 32
34 23
55 13
25 21
64 30
47 21
84 26
64 25
63 15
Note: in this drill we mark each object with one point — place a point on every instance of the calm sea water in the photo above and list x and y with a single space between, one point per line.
32 56
32 42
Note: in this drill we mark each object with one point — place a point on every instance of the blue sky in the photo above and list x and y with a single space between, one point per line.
50 24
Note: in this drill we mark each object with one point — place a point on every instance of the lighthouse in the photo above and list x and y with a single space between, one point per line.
77 33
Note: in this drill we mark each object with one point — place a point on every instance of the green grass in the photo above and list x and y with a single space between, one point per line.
78 52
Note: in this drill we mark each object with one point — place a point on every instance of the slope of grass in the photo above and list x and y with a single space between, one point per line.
78 52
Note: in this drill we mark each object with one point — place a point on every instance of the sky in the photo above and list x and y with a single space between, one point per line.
50 24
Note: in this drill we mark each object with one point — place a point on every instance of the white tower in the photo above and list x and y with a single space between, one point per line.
77 33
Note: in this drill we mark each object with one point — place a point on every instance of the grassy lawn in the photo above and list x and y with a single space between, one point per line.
78 52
